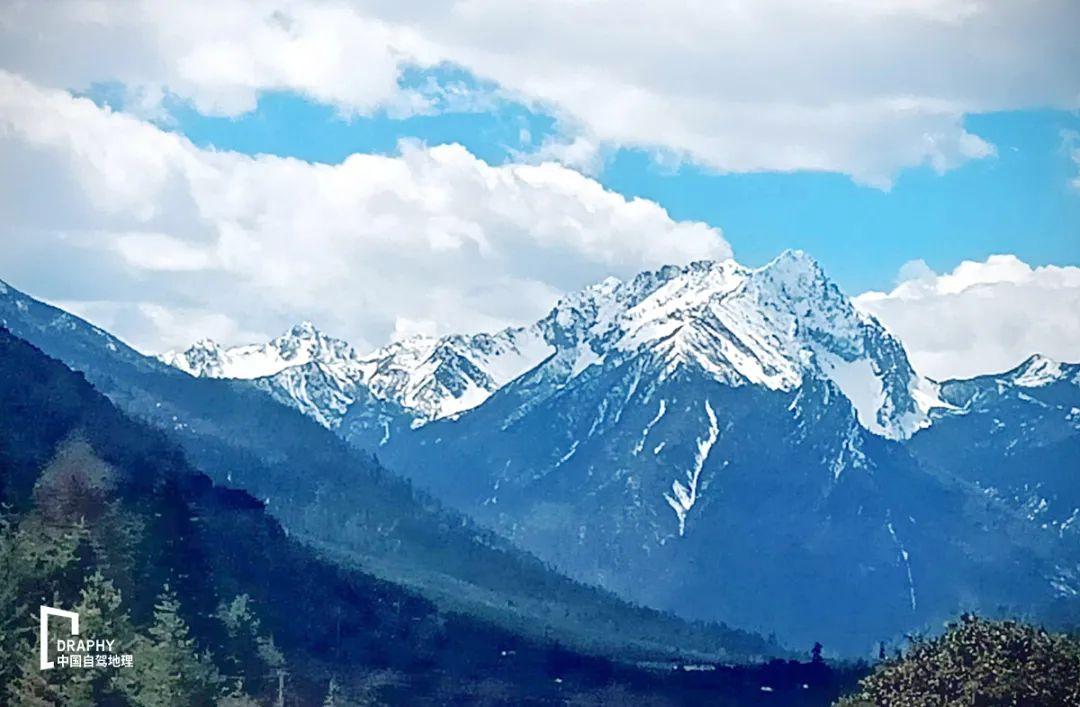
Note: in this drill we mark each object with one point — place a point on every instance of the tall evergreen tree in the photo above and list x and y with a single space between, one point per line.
250 653
101 616
13 607
168 669
36 565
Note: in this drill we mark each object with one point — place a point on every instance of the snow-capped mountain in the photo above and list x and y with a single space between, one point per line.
1016 435
441 377
1039 371
739 437
304 368
723 442
318 488
770 326
423 378
300 345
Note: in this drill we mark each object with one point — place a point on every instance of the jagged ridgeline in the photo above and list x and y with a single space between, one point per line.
745 439
104 515
352 509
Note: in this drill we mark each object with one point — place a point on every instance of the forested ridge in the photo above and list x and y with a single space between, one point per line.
104 516
319 488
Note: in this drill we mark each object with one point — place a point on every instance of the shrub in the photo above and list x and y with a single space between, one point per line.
978 662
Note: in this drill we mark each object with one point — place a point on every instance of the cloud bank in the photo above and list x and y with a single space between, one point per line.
100 205
862 87
981 317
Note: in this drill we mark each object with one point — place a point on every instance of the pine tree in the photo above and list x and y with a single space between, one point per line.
31 687
251 654
35 561
168 669
101 616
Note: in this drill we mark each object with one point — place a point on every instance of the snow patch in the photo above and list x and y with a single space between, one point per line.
683 497
570 453
645 432
861 385
585 357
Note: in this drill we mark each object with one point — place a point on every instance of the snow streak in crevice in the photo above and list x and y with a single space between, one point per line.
683 497
645 432
907 563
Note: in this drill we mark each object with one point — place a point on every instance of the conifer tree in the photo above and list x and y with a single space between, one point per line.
251 654
168 669
13 608
35 559
101 616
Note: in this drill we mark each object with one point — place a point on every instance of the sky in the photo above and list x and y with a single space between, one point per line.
224 169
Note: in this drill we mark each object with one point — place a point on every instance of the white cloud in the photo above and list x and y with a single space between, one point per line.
983 317
158 251
862 87
218 53
578 152
100 205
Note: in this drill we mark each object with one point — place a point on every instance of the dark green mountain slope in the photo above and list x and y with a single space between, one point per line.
216 604
343 500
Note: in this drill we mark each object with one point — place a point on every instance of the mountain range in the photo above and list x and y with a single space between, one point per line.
720 442
426 377
747 439
104 515
347 505
769 327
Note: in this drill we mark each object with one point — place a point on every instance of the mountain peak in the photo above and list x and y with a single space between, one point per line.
301 344
414 340
793 268
441 377
772 326
305 330
1036 371
205 344
795 255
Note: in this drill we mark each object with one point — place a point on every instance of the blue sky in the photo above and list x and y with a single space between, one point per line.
455 156
1018 201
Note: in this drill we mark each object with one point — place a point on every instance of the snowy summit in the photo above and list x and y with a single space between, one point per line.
770 326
